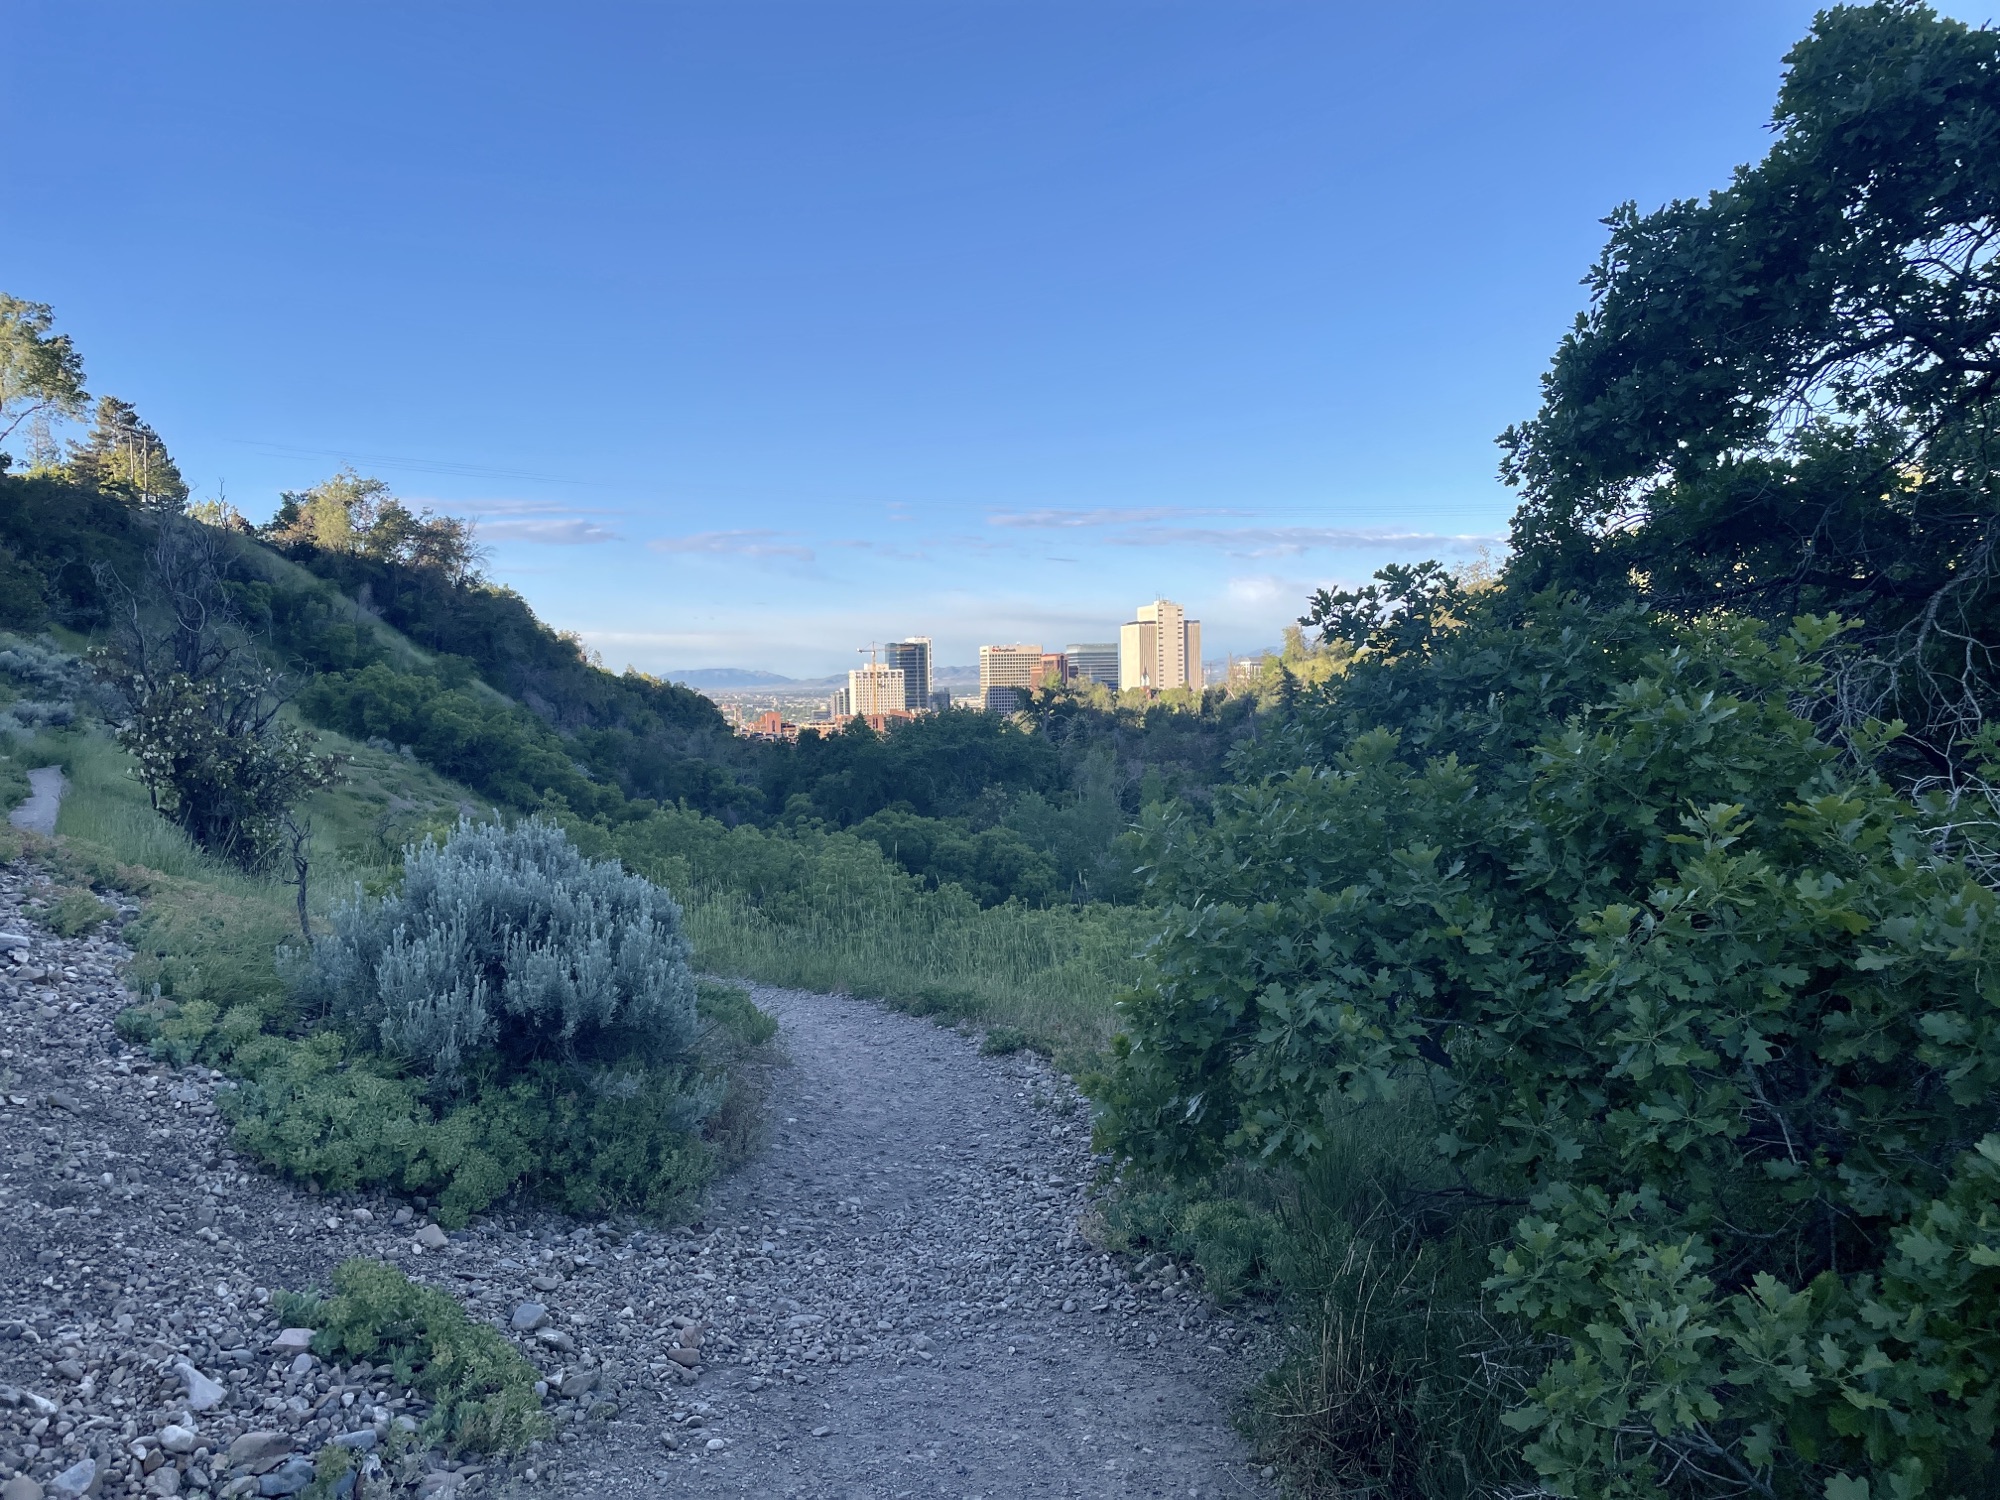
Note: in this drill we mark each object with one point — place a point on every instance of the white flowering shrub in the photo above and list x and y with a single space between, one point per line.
506 949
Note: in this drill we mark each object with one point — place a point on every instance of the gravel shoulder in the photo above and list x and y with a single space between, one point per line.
895 1299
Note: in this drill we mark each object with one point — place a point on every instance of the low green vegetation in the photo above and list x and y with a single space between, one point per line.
827 911
1584 1000
482 1392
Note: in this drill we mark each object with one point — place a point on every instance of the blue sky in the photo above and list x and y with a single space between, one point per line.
753 332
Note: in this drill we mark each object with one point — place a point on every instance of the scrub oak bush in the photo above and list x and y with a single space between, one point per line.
506 948
1692 988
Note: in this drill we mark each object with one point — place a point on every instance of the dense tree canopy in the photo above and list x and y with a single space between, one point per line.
122 456
1783 398
41 373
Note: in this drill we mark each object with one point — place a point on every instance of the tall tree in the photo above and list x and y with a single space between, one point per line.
1787 397
41 374
122 455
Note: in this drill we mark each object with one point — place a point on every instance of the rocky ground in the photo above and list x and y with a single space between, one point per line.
895 1299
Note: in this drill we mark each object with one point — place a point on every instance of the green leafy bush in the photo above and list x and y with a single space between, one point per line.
482 1392
1698 989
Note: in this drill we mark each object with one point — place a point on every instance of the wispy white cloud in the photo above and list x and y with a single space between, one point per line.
1291 541
1258 590
549 531
750 542
1069 520
1166 526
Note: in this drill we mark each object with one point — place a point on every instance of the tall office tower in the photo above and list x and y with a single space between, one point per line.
1094 661
837 707
1055 667
913 659
1159 650
875 690
1007 676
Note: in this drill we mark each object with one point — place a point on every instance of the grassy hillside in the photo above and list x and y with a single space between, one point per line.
950 865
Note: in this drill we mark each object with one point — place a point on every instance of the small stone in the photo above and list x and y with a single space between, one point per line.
821 1431
528 1317
291 1476
9 942
362 1440
203 1394
556 1339
74 1482
431 1237
545 1282
689 1338
576 1383
177 1439
237 1488
686 1358
292 1341
67 1102
255 1447
401 1217
302 1364
20 1487
1069 1304
164 1481
361 1215
716 1445
69 1369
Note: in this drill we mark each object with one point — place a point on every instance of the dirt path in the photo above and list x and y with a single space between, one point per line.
931 1197
37 812
893 1300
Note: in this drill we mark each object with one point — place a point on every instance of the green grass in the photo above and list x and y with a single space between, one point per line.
1395 1372
822 911
1052 977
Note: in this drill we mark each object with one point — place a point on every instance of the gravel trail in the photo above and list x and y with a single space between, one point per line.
37 812
894 1299
931 1197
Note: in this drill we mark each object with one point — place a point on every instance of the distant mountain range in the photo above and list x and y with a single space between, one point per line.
748 677
730 677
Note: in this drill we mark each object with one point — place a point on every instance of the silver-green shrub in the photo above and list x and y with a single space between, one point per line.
506 948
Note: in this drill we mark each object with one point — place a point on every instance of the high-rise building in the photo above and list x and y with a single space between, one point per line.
1160 650
1055 667
1094 661
1007 676
913 659
875 689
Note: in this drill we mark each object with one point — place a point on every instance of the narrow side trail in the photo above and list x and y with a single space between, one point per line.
917 1312
37 812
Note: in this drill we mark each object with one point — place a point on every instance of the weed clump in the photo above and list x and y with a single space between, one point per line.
482 1392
